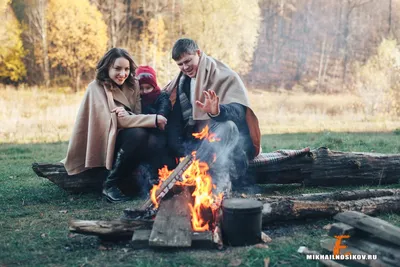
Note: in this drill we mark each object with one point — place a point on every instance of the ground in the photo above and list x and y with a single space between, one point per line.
34 213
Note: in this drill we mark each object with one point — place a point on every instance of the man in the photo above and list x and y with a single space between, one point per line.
206 91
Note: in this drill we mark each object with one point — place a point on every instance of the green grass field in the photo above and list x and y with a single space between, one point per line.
34 213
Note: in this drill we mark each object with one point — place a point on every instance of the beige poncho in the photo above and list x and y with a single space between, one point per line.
95 131
215 75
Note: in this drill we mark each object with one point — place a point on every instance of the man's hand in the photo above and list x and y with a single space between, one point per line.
161 122
211 103
120 111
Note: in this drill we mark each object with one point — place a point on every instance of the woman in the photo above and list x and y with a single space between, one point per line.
109 130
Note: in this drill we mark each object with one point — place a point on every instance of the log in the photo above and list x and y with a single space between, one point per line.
386 252
115 229
329 263
341 229
204 239
172 226
329 243
380 228
320 167
333 168
296 209
338 196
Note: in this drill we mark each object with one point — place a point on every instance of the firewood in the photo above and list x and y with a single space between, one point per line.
204 240
341 229
385 251
173 178
329 243
115 229
329 263
380 228
279 210
172 226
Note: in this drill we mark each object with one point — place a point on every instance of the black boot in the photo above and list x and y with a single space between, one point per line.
110 189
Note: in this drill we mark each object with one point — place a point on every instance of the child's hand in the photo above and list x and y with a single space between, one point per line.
161 122
120 111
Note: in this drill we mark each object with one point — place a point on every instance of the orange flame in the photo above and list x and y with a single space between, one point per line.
204 134
196 175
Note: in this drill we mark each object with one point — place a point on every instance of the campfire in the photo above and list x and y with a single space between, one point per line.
195 175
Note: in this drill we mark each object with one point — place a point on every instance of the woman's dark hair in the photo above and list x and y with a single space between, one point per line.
108 60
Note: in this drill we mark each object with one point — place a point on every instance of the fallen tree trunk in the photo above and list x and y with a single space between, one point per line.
323 167
320 167
111 230
281 210
337 196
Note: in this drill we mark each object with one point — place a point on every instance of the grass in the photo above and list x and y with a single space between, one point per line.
34 213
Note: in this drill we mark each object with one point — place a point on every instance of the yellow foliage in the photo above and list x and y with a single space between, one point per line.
154 51
224 29
11 49
77 35
378 81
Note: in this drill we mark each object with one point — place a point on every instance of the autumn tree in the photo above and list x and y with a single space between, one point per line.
378 80
11 50
77 36
224 29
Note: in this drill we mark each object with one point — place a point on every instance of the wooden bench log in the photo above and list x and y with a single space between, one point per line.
332 168
320 167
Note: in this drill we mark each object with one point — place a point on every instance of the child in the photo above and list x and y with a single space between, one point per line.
154 102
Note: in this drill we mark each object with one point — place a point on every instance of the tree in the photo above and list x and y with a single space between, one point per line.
11 50
224 29
77 36
378 80
37 23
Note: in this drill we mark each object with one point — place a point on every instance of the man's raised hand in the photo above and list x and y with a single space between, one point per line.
211 102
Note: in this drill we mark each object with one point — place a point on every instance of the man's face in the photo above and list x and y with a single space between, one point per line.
189 63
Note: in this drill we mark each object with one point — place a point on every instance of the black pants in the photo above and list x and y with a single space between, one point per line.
134 142
144 147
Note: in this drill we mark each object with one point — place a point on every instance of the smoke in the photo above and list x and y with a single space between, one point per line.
230 165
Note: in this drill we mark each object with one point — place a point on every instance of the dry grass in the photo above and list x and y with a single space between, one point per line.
33 115
293 112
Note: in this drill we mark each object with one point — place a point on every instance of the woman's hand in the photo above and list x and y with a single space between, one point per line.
120 111
211 103
161 122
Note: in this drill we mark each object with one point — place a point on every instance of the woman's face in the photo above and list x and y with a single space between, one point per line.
119 71
145 88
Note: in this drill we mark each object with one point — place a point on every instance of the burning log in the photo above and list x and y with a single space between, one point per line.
172 226
280 210
175 176
110 230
